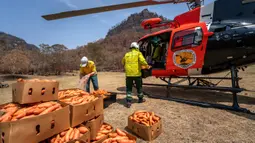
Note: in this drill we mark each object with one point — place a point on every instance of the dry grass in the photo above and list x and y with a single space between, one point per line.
181 122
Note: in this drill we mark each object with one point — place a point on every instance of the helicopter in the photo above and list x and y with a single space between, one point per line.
206 39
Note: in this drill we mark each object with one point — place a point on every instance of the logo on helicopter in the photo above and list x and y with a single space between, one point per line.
184 58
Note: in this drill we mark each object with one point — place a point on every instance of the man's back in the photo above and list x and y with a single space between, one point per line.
133 61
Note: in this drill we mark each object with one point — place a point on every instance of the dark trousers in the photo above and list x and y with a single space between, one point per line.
129 85
94 82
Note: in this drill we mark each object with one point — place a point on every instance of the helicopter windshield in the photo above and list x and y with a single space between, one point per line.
154 48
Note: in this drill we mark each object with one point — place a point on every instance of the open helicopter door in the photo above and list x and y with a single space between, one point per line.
187 49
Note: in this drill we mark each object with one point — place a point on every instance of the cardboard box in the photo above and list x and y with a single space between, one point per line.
85 112
35 129
94 125
31 92
147 133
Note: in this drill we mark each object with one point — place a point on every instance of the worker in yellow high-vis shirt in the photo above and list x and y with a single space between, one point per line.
88 69
133 61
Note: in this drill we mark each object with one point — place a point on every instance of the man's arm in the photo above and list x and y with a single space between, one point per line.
142 61
123 61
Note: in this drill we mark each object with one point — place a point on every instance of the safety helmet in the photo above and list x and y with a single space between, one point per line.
84 61
134 45
155 40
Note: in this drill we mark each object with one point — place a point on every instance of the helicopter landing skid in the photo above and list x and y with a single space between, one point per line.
205 85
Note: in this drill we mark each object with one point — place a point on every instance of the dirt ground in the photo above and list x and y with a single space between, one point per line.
181 122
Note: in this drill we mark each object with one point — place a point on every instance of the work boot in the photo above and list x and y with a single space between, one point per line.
128 103
141 100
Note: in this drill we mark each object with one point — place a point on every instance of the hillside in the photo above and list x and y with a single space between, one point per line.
10 42
133 22
17 56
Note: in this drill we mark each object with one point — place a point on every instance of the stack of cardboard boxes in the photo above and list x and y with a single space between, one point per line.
47 127
37 128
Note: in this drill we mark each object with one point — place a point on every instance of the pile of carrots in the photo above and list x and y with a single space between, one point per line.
78 100
100 92
35 80
145 118
69 135
104 131
118 137
71 93
14 112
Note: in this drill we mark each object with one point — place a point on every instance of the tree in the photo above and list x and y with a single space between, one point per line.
15 62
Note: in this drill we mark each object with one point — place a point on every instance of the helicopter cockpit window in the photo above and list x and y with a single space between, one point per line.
190 37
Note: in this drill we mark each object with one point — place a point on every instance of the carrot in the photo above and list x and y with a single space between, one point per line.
67 137
21 115
50 109
99 137
113 135
57 139
37 111
30 110
76 133
71 135
62 134
29 116
7 118
45 105
125 141
83 130
120 132
9 114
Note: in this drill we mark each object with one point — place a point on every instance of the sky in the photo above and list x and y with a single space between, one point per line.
22 18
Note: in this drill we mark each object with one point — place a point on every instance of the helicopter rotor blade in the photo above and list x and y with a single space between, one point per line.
108 8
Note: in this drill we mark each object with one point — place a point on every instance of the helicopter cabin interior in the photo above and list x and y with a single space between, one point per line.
154 48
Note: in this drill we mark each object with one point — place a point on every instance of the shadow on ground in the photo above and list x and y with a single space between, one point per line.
214 97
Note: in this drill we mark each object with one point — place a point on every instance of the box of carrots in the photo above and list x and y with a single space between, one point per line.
78 134
103 133
94 125
145 124
32 122
34 90
83 106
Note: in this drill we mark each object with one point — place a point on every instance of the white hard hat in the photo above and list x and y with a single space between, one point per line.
84 61
134 45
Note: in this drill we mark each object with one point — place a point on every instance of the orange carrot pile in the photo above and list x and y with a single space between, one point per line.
145 118
14 112
100 92
71 93
118 137
69 135
35 80
78 100
104 131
